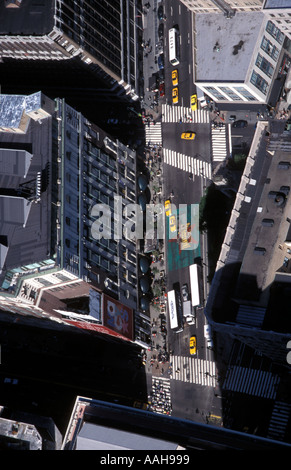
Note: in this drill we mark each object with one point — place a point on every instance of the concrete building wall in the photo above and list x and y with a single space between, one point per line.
209 6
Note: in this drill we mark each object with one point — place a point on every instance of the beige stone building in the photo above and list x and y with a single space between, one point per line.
279 12
216 6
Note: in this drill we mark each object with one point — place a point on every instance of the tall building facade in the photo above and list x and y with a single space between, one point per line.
250 293
59 172
104 34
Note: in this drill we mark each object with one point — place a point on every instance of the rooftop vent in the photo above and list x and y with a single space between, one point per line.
216 47
237 47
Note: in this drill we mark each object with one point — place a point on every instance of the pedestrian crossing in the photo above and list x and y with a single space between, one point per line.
184 114
193 370
187 163
218 138
254 382
279 420
153 133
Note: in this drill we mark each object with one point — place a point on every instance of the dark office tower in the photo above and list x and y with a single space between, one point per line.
102 33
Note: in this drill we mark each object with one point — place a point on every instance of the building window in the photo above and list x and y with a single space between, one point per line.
264 65
275 32
246 94
229 92
259 82
269 48
213 91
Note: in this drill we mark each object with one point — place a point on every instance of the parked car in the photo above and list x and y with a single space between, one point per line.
185 292
161 30
162 89
160 13
232 117
173 223
208 336
240 123
175 77
188 135
161 61
175 95
193 346
168 207
194 102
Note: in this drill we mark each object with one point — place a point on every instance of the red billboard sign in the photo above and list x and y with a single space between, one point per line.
95 327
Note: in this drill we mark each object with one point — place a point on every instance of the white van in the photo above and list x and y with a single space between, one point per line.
208 336
201 98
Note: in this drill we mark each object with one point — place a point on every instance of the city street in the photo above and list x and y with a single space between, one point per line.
190 381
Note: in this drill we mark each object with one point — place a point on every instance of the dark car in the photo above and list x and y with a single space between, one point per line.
161 30
161 61
160 13
240 123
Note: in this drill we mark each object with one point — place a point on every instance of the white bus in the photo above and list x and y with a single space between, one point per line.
175 311
174 46
196 284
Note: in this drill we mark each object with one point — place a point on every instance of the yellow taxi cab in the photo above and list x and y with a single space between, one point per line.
175 95
194 102
193 345
175 77
173 223
168 207
188 135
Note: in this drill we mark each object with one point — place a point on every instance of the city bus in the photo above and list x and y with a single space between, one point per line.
196 284
174 46
175 310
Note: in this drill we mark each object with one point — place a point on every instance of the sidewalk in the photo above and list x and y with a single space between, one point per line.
157 355
152 48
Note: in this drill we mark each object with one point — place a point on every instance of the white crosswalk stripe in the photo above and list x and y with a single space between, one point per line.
193 370
187 163
153 133
218 138
279 420
175 113
255 382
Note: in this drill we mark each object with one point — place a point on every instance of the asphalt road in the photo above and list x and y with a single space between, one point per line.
190 400
177 15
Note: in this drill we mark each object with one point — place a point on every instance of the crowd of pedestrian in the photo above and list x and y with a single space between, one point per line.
159 398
